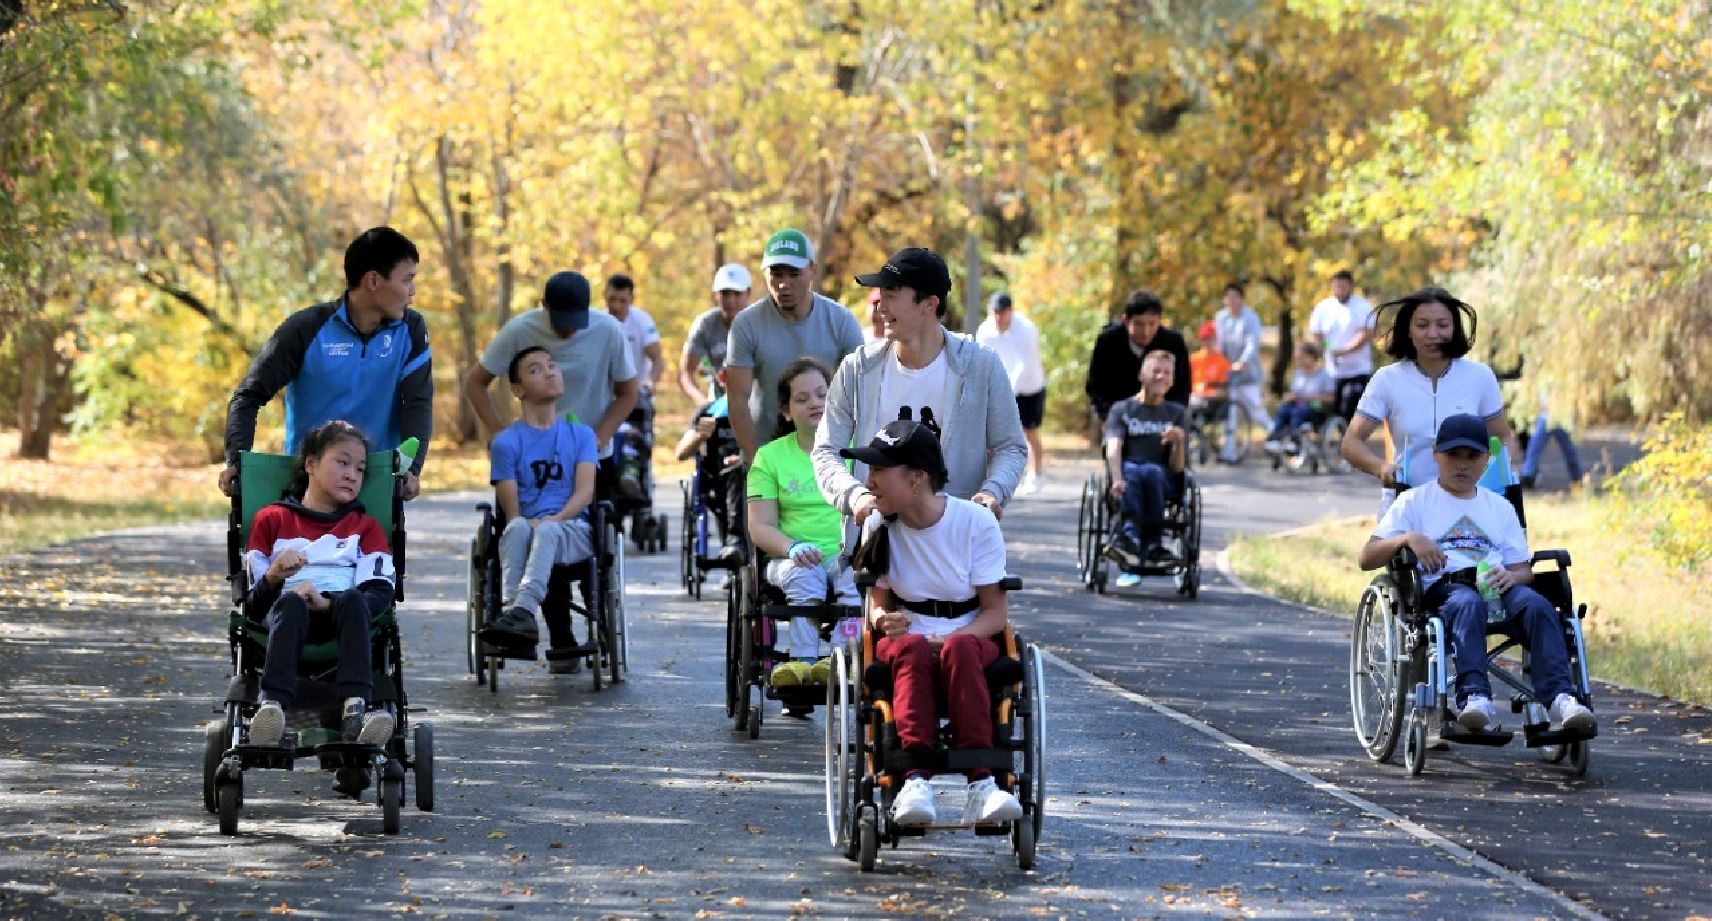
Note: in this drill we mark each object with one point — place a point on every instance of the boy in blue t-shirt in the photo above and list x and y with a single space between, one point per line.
543 472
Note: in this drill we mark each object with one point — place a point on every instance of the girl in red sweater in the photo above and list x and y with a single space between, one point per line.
319 564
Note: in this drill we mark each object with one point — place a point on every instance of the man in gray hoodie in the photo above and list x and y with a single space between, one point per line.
920 372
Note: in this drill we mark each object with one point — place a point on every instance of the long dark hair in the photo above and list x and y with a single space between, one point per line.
316 444
792 371
1397 343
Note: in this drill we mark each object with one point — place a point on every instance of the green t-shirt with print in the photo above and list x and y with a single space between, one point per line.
783 472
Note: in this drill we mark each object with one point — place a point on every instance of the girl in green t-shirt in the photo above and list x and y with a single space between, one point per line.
794 525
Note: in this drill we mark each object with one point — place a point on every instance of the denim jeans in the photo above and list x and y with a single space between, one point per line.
1146 488
1529 617
1291 416
1544 432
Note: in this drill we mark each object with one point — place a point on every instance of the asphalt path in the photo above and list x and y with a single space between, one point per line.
638 801
1632 839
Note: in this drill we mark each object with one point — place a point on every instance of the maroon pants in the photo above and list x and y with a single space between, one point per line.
959 669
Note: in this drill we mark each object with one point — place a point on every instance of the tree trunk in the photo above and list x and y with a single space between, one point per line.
43 373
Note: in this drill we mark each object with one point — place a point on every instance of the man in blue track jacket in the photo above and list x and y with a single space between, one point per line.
363 358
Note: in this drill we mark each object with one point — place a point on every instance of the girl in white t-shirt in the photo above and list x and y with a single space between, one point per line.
1429 335
939 604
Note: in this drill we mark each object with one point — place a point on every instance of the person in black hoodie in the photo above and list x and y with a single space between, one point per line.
319 564
1114 369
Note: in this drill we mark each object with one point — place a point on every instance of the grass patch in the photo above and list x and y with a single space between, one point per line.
1646 625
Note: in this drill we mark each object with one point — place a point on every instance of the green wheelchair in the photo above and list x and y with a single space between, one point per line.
313 722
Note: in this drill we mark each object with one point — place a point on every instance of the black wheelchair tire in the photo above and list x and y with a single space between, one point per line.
229 795
422 765
391 796
868 839
1387 725
733 682
1022 839
1580 754
1415 744
213 749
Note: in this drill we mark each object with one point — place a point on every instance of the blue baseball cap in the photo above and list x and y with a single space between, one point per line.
1462 431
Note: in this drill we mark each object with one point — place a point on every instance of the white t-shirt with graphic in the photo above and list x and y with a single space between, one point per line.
1465 529
946 561
902 388
1338 324
640 332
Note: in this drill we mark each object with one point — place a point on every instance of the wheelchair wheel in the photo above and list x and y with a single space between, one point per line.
1307 456
1376 695
1085 539
617 641
390 792
733 654
1415 744
1189 576
213 749
422 764
1331 444
1033 713
1579 755
840 758
229 798
1022 840
867 838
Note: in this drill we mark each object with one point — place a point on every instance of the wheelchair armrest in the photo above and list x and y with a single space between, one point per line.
866 579
1560 557
484 506
1404 559
1011 583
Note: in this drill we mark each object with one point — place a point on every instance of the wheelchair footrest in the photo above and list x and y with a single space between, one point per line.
712 562
346 754
564 653
1462 735
799 695
947 761
526 653
1542 734
271 757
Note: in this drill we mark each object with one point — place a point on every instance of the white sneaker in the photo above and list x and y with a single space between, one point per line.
1029 486
1569 713
267 727
377 727
987 803
914 803
1273 446
1477 713
1127 580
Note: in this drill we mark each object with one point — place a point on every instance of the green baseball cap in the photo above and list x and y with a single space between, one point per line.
788 247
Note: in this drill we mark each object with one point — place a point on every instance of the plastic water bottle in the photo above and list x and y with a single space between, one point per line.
1494 602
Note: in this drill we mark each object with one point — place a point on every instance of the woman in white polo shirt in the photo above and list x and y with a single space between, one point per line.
1430 333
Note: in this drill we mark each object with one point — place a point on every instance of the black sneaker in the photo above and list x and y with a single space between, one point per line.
515 628
1158 555
350 781
1124 551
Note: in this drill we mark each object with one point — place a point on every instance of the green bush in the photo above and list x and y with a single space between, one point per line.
1669 492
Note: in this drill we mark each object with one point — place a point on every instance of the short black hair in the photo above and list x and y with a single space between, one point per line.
1237 287
1343 275
1142 301
378 249
620 282
315 444
1397 342
511 370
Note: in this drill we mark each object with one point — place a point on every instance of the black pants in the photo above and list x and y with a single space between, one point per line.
291 624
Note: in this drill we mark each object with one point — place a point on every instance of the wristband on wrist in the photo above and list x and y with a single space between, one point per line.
791 551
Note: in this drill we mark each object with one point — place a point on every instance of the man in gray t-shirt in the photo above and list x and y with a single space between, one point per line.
710 332
589 348
789 323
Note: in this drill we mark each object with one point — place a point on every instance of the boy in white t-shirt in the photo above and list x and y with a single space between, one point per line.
1452 524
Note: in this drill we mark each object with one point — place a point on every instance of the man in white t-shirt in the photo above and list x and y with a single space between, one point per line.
1343 325
1452 525
635 437
711 332
922 373
1017 343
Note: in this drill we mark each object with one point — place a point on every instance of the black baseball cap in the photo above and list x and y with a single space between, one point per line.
1462 431
567 300
901 444
912 267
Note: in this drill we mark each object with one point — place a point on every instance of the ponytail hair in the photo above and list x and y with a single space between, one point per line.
323 436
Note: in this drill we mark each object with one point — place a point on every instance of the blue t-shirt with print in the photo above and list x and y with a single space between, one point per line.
543 462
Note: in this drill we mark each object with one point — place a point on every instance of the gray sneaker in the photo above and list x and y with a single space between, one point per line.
267 726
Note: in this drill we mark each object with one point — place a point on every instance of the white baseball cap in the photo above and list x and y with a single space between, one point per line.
731 277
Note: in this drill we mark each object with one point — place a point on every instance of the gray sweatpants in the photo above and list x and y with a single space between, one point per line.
807 585
528 553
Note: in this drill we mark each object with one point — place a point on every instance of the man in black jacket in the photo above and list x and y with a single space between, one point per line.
1115 368
363 358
